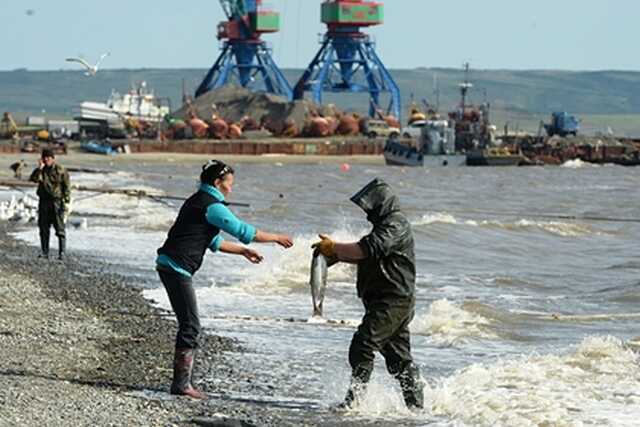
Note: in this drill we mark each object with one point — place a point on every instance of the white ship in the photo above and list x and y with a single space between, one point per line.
138 103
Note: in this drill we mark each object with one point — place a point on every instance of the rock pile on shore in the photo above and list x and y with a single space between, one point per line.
229 111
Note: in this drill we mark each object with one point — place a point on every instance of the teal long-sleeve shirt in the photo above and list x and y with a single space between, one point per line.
220 216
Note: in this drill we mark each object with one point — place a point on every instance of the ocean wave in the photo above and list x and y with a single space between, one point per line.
288 271
136 212
577 164
435 218
594 384
558 228
447 324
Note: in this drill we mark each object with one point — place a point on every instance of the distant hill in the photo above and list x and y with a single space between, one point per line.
518 97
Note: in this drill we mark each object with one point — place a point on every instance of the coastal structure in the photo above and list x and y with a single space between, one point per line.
347 61
245 59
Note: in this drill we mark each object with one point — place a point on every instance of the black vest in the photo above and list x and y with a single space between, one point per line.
191 234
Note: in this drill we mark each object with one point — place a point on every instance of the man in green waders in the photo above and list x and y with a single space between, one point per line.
54 192
386 285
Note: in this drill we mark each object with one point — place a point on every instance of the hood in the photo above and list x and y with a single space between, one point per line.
377 200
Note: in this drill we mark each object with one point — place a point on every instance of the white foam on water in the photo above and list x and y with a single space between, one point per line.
447 324
595 384
435 218
382 400
21 209
563 229
577 164
559 228
129 212
285 271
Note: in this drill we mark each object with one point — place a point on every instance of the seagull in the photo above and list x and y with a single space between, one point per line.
91 69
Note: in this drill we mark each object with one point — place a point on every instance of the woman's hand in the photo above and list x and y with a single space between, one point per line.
284 240
251 255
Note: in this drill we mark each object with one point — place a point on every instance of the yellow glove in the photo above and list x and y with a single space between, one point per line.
326 246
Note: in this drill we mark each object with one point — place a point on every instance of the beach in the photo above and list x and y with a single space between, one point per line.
79 159
81 346
520 319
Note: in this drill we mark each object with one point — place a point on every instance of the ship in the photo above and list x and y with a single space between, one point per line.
467 137
434 148
496 156
139 104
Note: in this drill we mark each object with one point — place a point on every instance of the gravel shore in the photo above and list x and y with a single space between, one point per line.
80 346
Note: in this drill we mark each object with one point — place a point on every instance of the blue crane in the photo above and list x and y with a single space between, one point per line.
347 60
245 58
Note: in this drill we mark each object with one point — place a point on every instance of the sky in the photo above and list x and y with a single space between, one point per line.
492 34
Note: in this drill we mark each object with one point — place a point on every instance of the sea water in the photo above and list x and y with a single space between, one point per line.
521 318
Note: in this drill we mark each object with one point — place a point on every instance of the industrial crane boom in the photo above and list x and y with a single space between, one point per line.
233 8
245 58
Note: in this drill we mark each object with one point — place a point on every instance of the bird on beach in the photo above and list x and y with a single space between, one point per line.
91 69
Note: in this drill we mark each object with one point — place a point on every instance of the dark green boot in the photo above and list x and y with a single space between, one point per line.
62 246
44 245
357 389
412 387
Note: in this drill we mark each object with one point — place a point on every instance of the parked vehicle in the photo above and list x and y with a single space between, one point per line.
376 128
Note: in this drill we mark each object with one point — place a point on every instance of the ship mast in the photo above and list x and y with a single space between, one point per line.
464 87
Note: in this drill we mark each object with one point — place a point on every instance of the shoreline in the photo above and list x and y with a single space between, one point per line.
84 160
82 346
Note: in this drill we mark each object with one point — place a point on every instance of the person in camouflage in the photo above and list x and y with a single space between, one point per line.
54 192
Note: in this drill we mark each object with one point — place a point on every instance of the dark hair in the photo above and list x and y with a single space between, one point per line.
214 169
48 153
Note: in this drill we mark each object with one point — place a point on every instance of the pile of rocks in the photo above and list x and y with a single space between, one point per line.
230 111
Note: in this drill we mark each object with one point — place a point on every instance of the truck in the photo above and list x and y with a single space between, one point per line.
562 124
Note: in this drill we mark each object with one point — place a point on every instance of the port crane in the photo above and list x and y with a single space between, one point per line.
347 60
245 58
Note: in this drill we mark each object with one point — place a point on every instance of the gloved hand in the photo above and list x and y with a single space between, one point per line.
326 246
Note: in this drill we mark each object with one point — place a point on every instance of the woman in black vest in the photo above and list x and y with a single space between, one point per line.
197 229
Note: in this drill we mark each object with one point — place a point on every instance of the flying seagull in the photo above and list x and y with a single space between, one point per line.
91 69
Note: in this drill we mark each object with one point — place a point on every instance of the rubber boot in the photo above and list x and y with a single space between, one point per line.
182 367
412 387
62 246
357 389
44 245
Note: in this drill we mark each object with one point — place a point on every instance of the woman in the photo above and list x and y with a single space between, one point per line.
197 229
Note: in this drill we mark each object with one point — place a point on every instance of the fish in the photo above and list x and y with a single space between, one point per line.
318 281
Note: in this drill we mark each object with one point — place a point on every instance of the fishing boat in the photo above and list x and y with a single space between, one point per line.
434 148
496 156
139 104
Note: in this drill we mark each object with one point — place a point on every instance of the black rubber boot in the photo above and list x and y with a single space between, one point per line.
182 367
62 246
412 387
357 389
44 245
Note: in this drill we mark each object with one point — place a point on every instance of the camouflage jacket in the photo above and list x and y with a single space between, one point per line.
53 183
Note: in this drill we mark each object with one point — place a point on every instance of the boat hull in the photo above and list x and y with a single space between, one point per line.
479 158
396 154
